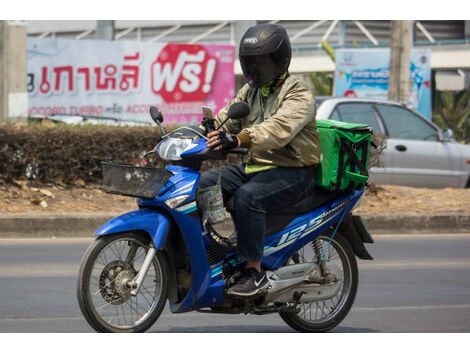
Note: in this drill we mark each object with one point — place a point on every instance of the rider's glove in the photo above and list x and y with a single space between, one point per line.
227 140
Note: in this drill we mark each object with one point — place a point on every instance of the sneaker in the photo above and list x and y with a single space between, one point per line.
250 284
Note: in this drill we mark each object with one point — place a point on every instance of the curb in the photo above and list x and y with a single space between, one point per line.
84 225
416 224
50 225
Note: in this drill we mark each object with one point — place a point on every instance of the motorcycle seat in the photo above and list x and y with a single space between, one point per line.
278 220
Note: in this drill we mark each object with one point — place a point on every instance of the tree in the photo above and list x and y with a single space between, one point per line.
452 111
322 83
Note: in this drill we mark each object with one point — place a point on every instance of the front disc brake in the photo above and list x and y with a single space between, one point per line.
113 281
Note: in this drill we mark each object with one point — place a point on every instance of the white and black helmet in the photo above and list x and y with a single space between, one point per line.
265 53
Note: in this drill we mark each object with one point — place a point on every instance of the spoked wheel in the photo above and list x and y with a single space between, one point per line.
104 295
323 315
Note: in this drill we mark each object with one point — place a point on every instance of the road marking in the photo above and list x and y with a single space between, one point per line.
428 236
398 308
71 270
414 265
194 314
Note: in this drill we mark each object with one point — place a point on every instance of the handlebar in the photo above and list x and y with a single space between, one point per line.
241 151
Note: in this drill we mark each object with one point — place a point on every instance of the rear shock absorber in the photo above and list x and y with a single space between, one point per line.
318 249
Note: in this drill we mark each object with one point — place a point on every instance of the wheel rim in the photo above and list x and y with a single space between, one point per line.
320 311
110 300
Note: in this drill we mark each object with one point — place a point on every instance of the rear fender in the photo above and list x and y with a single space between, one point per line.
155 224
356 234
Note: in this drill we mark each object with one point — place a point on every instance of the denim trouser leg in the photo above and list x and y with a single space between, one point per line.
256 194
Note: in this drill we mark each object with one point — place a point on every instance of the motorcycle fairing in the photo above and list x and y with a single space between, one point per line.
156 225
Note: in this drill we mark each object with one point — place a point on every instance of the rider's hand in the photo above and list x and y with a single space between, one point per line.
221 140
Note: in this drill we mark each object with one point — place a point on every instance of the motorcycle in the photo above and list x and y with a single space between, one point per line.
163 251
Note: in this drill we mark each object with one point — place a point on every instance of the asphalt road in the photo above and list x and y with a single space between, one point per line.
418 283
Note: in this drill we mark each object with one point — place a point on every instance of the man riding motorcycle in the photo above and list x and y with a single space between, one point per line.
280 134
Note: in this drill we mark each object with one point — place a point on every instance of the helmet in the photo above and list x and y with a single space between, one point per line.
265 53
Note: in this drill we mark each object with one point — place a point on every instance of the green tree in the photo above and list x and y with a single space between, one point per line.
452 110
322 83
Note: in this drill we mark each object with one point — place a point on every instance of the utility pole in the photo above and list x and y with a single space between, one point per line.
399 78
13 70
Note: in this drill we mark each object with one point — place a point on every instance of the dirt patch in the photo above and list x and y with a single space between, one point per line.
24 197
388 199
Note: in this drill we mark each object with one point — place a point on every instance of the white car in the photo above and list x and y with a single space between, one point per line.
418 153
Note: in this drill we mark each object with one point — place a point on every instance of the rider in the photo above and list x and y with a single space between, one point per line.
281 137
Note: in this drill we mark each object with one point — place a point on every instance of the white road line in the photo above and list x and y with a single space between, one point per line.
395 264
427 236
71 270
398 308
194 314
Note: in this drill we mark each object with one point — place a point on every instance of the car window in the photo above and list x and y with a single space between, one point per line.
404 124
357 113
335 116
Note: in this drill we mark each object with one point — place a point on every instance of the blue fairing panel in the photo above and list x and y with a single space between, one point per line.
156 225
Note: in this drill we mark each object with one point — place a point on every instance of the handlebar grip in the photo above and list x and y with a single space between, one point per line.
241 151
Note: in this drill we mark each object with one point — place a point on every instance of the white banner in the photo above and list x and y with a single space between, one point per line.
122 79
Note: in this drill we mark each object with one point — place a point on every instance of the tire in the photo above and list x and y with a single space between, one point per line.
86 297
349 263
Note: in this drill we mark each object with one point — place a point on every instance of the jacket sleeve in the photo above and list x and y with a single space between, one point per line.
296 111
231 126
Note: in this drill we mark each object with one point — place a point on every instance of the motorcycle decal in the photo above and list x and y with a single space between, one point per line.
185 188
216 271
306 228
187 208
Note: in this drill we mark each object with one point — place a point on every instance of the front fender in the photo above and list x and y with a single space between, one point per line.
155 224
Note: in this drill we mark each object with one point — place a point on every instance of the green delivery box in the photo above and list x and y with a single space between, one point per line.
345 155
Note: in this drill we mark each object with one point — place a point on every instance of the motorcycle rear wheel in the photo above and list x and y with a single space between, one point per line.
332 311
103 297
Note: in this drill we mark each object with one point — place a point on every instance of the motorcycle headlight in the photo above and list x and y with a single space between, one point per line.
175 201
171 148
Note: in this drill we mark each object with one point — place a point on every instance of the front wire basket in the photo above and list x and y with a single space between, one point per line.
132 181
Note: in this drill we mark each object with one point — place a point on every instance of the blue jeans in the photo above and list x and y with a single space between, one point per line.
255 194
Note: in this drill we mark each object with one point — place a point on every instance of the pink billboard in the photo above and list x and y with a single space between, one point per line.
123 79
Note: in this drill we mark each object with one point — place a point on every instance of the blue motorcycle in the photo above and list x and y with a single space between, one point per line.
163 251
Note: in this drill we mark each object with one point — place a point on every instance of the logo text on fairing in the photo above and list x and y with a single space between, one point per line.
305 228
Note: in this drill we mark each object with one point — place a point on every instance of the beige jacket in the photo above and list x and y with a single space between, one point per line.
282 130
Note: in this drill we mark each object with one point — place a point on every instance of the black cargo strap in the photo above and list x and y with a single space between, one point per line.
353 156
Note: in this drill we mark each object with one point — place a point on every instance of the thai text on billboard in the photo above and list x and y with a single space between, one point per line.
123 79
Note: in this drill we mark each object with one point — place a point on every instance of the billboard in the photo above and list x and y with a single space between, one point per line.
363 73
122 79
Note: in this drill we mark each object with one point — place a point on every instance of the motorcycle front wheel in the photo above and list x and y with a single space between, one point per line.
102 291
324 315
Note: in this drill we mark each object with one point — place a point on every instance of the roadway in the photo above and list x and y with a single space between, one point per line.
418 283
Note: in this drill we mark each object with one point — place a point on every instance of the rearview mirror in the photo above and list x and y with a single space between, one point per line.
238 110
447 135
156 115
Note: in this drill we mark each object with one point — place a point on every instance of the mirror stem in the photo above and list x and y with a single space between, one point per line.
223 122
162 131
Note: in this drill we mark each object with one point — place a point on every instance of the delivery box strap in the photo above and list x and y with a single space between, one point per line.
353 157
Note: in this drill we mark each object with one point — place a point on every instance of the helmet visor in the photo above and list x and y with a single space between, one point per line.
260 70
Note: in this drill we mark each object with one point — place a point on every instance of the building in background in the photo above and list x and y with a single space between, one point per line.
449 41
447 44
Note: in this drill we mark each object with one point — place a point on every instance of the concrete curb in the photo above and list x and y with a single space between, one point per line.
416 224
84 225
